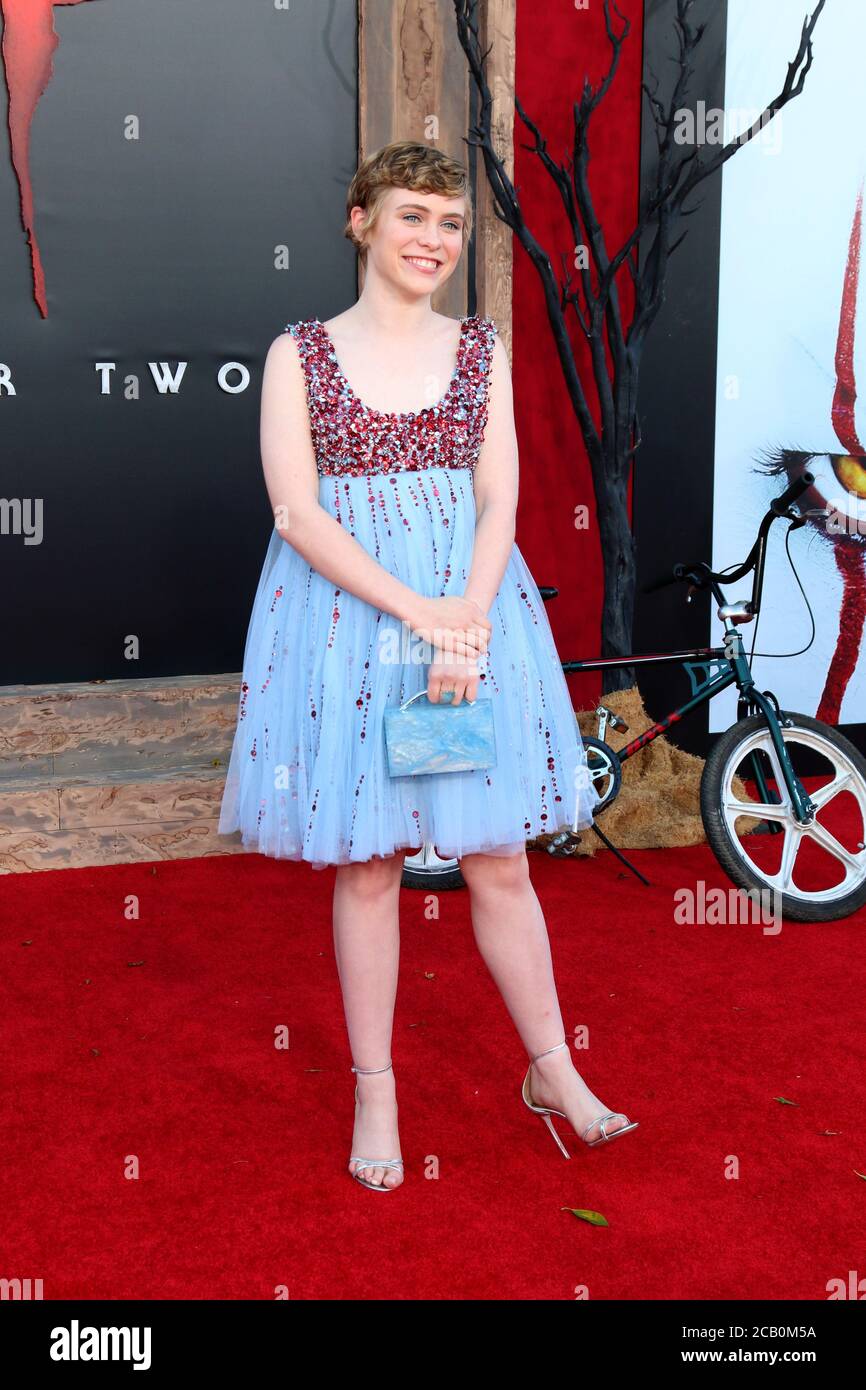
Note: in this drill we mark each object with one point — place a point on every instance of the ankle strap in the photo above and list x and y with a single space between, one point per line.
370 1071
564 1043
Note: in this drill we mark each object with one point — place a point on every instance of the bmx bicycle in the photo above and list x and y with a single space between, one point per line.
766 829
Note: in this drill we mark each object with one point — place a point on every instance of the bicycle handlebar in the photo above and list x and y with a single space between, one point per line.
791 493
699 572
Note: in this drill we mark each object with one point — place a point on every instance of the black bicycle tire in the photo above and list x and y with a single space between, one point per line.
719 838
422 879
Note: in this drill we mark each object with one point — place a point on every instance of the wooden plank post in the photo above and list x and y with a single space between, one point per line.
413 84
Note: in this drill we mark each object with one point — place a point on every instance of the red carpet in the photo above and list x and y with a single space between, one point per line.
155 1039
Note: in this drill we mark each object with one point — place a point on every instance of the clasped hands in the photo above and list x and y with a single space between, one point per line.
458 631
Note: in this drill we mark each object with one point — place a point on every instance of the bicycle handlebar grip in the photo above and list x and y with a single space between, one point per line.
792 492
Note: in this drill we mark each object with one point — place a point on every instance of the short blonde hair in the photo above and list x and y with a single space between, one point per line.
405 164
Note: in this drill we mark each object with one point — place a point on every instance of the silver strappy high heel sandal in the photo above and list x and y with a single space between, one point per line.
545 1112
373 1162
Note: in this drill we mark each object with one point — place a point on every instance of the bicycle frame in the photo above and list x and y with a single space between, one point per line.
732 658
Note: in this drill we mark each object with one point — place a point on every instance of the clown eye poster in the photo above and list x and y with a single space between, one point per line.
791 349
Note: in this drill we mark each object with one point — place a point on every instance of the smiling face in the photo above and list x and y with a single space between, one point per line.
416 239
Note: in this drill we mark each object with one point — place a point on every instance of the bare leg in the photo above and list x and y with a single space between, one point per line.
511 935
367 949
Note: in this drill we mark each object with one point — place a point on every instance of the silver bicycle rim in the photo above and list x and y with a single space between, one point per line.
845 778
602 772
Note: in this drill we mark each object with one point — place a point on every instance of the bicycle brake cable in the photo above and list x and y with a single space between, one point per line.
753 653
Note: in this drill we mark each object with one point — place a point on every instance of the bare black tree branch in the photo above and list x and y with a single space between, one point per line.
593 295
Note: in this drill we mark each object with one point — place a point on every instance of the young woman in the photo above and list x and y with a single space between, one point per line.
390 460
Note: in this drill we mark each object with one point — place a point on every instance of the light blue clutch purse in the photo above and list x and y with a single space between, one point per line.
437 738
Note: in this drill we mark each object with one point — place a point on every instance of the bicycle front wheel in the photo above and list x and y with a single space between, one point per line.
816 872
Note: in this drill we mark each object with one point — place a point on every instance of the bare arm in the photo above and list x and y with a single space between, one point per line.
292 481
496 485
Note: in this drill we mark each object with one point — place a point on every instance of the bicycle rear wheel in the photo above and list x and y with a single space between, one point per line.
816 872
426 871
605 771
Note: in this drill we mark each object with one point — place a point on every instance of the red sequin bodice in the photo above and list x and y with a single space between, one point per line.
352 439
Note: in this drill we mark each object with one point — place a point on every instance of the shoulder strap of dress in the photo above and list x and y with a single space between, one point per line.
304 332
300 331
478 342
486 331
315 349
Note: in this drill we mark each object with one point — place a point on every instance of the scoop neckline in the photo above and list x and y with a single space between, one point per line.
463 319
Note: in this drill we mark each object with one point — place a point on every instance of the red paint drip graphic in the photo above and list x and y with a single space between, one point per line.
29 40
849 562
845 396
849 558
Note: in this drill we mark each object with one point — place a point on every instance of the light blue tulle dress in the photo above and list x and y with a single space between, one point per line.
308 775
